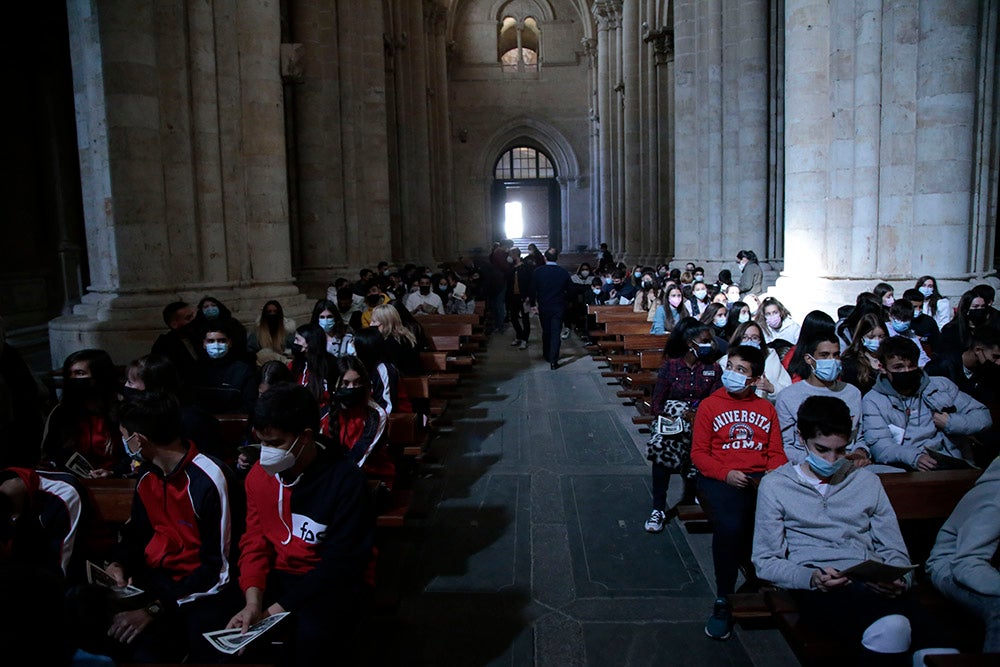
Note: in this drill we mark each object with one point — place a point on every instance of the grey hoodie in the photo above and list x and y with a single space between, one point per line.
968 542
887 415
798 530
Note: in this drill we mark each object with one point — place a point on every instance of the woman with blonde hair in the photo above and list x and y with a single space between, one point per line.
274 335
400 343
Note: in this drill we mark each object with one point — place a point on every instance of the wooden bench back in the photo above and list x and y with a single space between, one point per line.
444 343
650 360
432 329
644 342
473 320
417 386
626 315
927 495
622 327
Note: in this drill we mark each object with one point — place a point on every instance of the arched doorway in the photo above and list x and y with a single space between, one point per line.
525 197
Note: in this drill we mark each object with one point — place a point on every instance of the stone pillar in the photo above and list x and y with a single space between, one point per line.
881 110
722 118
436 18
184 185
632 154
603 184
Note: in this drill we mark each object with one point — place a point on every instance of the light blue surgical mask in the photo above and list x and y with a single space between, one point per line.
211 312
926 291
827 370
216 350
824 468
607 280
871 344
720 321
596 290
899 327
743 318
327 323
751 343
734 382
700 294
637 274
135 456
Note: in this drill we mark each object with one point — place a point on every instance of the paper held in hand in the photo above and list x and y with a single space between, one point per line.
99 576
231 641
79 466
874 572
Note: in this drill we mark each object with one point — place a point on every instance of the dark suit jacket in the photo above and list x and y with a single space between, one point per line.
551 286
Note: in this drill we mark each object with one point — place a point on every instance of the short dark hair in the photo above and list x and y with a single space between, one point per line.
749 255
752 354
902 310
172 309
158 373
345 294
899 347
821 336
156 415
274 372
287 407
913 296
985 292
551 255
986 337
824 415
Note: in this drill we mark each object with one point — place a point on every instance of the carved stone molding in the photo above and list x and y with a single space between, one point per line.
607 13
662 41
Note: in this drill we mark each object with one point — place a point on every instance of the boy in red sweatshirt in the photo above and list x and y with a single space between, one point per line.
736 439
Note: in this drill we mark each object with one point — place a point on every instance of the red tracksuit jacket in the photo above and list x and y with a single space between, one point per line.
736 434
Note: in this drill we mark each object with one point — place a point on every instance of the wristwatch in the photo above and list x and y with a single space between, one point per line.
154 608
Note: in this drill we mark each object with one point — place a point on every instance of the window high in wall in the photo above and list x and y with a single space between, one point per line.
522 163
518 44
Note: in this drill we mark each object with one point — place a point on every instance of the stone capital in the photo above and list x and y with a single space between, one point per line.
662 41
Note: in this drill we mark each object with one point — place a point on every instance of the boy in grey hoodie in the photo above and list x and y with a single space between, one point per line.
910 417
963 562
819 517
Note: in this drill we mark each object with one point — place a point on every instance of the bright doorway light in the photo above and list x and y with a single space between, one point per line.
513 223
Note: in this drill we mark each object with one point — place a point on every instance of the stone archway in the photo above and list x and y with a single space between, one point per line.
545 137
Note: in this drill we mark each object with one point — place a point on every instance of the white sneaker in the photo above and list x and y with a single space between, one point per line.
515 343
565 333
655 522
523 345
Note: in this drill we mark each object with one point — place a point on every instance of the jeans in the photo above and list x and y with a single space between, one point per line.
496 305
983 606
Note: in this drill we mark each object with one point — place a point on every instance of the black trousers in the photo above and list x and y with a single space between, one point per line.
520 320
732 513
552 322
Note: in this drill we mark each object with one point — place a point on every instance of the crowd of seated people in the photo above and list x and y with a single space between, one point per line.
915 387
315 399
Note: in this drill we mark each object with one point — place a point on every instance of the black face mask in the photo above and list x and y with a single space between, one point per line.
80 388
425 289
129 393
906 382
272 318
349 397
978 316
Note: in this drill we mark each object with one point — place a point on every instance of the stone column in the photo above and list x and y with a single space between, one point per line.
880 131
604 114
632 172
184 186
436 18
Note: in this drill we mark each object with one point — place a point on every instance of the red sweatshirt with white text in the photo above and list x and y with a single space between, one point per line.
736 434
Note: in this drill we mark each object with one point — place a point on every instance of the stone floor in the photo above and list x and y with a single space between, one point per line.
528 544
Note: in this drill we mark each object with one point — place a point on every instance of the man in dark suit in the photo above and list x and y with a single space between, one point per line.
550 288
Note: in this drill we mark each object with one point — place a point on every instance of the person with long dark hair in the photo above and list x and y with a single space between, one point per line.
339 338
865 303
751 275
214 313
386 388
313 368
85 419
935 305
815 323
360 422
689 374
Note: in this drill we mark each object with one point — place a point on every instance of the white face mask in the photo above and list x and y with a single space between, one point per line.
275 460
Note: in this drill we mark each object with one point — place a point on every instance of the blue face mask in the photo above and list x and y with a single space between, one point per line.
827 370
135 456
824 468
899 327
743 318
926 291
327 323
871 344
751 343
734 382
216 350
211 312
720 322
637 274
607 280
596 290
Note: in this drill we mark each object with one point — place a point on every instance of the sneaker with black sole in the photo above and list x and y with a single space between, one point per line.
657 519
720 623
